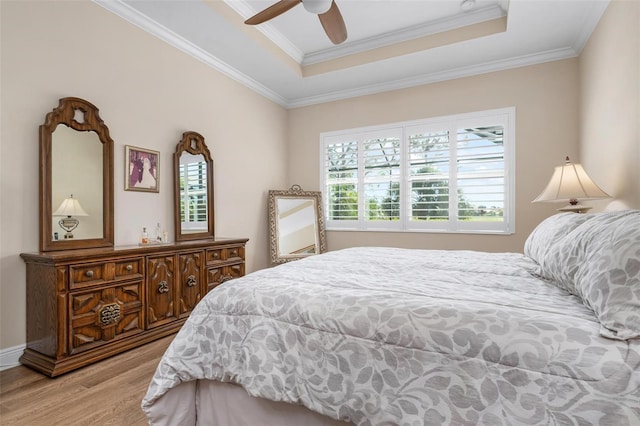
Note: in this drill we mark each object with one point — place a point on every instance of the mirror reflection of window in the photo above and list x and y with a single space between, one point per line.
297 232
193 193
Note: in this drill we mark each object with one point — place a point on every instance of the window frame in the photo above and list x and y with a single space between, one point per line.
502 116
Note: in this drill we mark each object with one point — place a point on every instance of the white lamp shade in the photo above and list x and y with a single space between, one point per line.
70 207
317 6
569 183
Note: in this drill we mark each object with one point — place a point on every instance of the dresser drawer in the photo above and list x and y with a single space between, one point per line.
217 276
89 274
103 315
129 268
225 255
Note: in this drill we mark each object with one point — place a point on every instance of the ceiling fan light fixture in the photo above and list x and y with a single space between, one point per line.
467 5
317 6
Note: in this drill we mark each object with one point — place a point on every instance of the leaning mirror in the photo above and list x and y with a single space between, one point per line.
296 225
193 188
76 178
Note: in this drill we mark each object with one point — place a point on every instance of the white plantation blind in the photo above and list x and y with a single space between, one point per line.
381 186
428 164
452 174
341 166
480 173
193 191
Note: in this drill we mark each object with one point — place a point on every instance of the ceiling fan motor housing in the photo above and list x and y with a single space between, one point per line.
317 6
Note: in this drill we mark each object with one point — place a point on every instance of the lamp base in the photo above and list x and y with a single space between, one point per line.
68 224
576 208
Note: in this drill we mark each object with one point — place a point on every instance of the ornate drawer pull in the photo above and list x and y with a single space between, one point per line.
234 253
89 274
216 255
191 281
109 314
163 287
129 268
225 278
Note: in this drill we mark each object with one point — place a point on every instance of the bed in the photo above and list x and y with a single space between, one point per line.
390 336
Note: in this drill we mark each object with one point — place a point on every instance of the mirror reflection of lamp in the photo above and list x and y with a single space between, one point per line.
70 207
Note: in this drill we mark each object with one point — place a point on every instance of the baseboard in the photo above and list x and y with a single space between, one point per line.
9 357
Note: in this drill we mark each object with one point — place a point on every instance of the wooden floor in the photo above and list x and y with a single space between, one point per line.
106 393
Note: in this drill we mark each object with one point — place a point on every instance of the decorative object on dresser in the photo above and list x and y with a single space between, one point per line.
76 157
86 305
296 224
142 169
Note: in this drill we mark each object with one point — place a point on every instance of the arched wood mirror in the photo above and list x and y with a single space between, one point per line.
193 188
296 225
76 178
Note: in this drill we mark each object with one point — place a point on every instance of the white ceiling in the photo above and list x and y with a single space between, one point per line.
391 44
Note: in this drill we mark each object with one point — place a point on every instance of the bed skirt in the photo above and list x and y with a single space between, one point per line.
227 404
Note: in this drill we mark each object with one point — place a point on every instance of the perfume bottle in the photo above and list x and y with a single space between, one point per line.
158 233
144 239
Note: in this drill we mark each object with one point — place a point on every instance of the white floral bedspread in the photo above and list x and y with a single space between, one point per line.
387 336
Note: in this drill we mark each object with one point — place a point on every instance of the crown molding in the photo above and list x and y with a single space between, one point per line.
136 18
268 30
133 16
501 65
405 34
590 23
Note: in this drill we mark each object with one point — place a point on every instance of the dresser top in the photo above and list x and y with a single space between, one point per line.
129 250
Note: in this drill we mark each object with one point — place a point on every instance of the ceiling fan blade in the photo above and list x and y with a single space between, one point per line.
272 11
333 24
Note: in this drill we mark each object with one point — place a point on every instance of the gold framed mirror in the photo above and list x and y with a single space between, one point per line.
296 224
76 178
193 189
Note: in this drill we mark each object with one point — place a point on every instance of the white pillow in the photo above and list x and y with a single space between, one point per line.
550 231
599 261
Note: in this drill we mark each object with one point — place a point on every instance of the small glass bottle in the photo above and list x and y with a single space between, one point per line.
145 238
158 233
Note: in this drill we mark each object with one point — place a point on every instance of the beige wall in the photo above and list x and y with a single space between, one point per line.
545 97
610 105
148 93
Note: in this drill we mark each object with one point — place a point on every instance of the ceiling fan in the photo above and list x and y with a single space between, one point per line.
327 11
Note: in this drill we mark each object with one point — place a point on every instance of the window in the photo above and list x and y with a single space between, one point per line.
447 174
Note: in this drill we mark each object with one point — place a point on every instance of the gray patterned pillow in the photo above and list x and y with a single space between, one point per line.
549 232
599 261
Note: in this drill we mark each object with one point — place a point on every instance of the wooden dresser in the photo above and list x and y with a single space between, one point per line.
86 305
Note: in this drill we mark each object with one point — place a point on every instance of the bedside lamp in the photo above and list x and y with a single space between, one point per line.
70 207
570 183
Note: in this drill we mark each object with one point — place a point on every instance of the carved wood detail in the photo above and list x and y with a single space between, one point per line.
161 271
191 274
